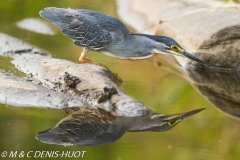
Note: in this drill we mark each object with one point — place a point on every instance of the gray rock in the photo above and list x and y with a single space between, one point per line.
21 92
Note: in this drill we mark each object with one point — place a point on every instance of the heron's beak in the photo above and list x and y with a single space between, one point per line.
176 118
192 57
183 53
163 122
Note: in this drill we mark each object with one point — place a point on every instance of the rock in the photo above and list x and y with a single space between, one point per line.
220 87
21 92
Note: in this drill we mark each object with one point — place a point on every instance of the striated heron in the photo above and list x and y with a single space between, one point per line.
91 126
100 32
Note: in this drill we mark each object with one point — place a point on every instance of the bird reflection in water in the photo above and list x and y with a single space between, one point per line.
91 127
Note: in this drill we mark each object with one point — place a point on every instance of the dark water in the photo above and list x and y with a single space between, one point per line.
210 134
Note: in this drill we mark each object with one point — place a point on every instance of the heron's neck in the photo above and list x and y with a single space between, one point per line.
151 41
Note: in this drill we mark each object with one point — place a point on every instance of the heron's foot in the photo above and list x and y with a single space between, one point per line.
88 60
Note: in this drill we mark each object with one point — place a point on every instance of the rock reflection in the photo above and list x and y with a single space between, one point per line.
220 86
91 127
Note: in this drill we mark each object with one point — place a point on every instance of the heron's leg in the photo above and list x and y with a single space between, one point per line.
84 52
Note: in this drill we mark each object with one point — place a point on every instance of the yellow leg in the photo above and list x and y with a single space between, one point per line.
84 52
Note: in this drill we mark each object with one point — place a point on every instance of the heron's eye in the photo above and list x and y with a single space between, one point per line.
173 47
173 122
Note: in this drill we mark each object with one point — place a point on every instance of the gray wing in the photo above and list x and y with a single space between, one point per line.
80 129
106 22
86 28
